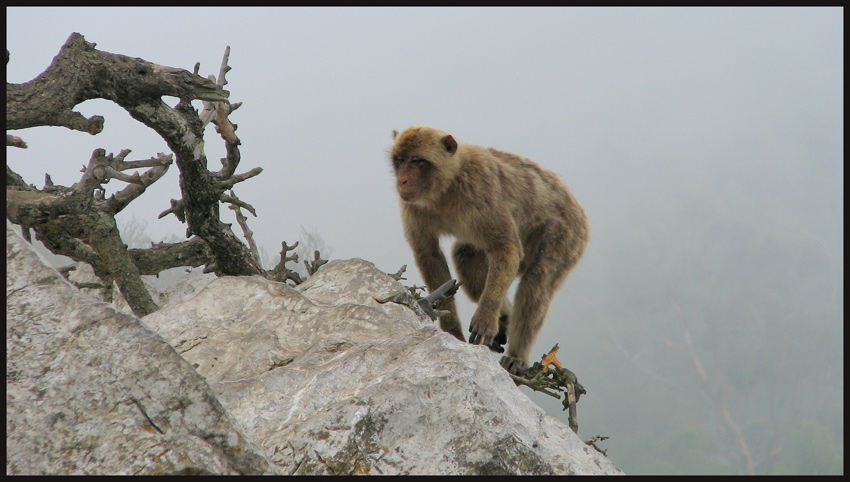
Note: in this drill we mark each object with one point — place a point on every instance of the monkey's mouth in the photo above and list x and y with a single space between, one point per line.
408 196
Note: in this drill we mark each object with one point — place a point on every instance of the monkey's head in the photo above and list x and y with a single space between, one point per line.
424 162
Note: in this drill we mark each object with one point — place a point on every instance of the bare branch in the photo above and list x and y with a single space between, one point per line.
162 256
235 205
76 222
280 272
29 207
62 243
152 162
398 274
224 69
540 377
223 124
176 209
238 203
597 438
13 141
443 294
237 178
209 112
80 72
183 131
99 171
159 166
313 266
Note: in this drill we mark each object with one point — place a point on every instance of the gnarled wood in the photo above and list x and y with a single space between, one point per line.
78 221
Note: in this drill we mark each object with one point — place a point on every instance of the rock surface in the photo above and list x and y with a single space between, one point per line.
89 390
322 377
330 381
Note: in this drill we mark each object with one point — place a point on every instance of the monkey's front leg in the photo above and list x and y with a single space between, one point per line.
451 323
484 327
432 264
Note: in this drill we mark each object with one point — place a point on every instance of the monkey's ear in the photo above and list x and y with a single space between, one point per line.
450 143
395 134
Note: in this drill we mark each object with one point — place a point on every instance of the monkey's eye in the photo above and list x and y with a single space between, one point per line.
417 160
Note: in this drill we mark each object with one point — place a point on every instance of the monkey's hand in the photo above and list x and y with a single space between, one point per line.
484 330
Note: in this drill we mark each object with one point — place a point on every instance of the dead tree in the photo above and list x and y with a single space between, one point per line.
79 221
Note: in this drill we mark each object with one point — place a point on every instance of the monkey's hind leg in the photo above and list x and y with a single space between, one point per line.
531 305
545 272
472 266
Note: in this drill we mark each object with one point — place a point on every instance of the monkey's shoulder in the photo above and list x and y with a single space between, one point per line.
514 171
506 156
514 163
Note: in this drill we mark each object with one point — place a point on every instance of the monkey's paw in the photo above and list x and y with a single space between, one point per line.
486 334
499 341
502 336
514 366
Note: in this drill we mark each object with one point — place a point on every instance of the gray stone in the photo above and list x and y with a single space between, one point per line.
329 381
89 390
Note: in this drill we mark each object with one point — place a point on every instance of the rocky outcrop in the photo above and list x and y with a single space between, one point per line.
89 390
321 379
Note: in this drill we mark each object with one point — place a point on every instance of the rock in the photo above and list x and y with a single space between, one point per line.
89 390
329 381
317 379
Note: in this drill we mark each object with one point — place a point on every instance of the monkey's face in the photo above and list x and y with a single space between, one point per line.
423 164
413 177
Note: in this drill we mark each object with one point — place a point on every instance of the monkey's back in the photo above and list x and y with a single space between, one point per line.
537 196
534 193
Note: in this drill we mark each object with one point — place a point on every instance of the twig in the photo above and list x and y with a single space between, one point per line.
313 266
177 209
280 272
437 298
397 275
597 438
235 205
540 377
14 141
423 306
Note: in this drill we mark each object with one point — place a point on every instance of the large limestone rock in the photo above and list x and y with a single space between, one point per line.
89 390
329 381
322 377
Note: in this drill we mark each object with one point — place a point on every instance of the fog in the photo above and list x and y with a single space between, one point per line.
706 146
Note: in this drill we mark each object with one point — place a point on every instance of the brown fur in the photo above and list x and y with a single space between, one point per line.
510 218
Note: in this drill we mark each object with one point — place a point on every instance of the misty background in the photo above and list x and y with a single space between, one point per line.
706 145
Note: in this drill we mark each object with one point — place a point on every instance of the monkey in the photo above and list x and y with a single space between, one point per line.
510 218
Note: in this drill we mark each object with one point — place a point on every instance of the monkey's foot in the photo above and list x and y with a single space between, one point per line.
496 346
498 342
514 366
501 337
488 336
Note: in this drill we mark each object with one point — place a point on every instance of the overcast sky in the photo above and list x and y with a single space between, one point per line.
633 108
581 91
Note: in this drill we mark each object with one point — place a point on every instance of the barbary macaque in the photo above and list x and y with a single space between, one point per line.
509 217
